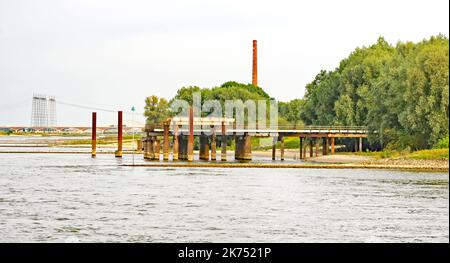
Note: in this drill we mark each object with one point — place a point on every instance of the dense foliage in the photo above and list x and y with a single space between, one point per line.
401 93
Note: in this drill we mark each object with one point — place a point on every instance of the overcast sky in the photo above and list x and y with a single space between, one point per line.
113 53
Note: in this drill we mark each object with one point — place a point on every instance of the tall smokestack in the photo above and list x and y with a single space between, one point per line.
255 63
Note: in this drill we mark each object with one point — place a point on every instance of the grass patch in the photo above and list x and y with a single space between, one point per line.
428 154
433 154
101 140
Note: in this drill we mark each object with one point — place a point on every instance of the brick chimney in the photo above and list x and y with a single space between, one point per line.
255 64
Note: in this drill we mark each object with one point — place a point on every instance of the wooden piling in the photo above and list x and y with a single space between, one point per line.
94 134
310 147
282 148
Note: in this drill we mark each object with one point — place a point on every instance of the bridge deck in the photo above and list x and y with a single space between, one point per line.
304 132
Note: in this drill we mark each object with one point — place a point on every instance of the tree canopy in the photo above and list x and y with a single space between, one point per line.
400 93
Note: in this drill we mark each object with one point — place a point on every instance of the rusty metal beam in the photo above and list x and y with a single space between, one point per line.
94 134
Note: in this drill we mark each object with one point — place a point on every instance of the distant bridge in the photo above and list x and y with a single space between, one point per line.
68 129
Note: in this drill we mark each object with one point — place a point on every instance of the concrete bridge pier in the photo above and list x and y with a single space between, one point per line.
204 147
150 148
243 149
274 148
182 147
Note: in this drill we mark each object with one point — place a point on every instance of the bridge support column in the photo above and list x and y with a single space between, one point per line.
204 147
304 148
175 143
360 144
94 134
157 149
223 150
144 142
119 135
310 147
325 146
182 147
149 147
243 147
213 143
301 148
282 148
190 146
332 145
139 146
317 147
166 144
274 148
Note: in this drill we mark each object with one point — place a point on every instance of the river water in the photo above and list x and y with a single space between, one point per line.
74 198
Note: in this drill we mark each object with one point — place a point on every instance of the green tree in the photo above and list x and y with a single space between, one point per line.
156 109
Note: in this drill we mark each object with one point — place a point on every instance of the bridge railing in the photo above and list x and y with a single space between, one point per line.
323 128
281 128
